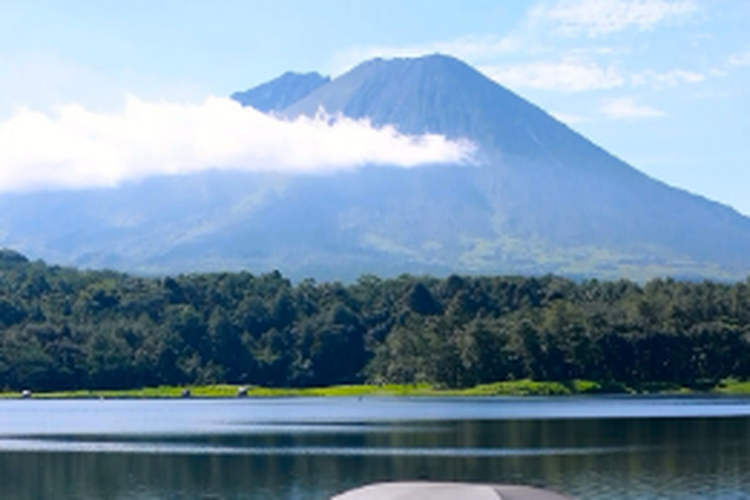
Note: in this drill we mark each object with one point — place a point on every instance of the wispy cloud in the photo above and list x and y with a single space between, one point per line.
628 108
667 79
532 56
740 59
568 75
601 17
78 148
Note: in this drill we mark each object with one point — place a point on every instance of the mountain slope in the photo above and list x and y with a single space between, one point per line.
548 186
540 198
280 92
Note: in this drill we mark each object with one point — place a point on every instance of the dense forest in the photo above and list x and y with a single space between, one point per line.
62 328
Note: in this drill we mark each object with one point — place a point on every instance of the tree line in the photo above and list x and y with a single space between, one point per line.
62 328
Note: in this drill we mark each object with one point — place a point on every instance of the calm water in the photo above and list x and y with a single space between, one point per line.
310 449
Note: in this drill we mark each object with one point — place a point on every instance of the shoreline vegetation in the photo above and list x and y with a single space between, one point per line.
64 330
728 387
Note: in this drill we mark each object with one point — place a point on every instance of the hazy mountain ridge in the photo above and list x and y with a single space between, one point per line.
542 198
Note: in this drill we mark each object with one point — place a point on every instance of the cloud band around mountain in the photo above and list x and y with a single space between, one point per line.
79 148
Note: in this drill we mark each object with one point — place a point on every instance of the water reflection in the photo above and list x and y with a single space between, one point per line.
597 458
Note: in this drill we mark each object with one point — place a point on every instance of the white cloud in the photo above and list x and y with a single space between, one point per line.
667 79
470 48
568 118
601 17
568 75
629 108
78 148
741 59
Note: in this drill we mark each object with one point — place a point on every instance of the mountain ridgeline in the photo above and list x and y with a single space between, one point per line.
282 92
540 198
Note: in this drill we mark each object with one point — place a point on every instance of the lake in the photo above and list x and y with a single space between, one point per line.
312 448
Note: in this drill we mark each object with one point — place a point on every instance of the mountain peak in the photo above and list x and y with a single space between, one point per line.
437 94
436 61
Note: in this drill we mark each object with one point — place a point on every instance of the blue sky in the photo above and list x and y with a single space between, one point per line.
663 84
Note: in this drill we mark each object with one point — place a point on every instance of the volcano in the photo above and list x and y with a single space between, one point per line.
538 198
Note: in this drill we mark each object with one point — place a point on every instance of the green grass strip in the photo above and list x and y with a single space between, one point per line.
524 387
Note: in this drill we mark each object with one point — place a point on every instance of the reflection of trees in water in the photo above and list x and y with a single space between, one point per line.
614 458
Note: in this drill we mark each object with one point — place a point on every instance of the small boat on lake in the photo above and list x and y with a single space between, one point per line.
447 491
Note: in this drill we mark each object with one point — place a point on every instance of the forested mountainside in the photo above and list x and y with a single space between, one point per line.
61 328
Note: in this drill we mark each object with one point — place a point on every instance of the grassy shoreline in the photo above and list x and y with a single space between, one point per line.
508 388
